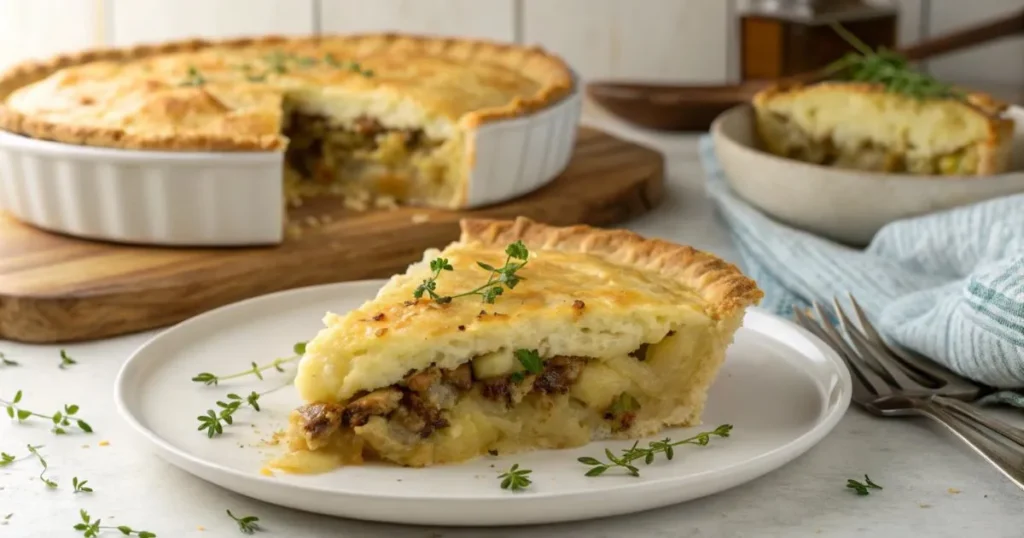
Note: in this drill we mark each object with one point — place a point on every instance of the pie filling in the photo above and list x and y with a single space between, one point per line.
491 404
790 140
365 159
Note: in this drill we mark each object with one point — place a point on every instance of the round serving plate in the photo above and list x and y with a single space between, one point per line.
236 198
781 388
848 206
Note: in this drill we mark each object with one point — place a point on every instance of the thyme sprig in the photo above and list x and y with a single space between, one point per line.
80 485
91 528
7 362
62 420
65 360
257 370
498 277
34 450
633 453
886 68
515 479
213 421
862 488
247 524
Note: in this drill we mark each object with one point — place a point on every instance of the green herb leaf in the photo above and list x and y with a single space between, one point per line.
193 77
649 453
210 379
80 486
65 360
862 488
530 360
515 479
247 524
886 68
7 362
498 279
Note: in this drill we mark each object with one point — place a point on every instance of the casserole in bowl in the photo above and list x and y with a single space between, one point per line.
206 143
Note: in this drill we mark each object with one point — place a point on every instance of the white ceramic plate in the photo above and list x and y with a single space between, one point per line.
782 389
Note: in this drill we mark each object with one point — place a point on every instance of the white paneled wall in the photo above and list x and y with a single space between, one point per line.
654 39
140 21
669 40
488 19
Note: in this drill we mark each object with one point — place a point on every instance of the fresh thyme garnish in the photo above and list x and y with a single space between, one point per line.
193 78
65 360
80 487
6 459
887 68
91 529
515 479
42 474
247 524
5 361
862 489
207 378
498 276
61 419
213 422
634 452
278 62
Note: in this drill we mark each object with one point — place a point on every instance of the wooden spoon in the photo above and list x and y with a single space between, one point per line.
692 108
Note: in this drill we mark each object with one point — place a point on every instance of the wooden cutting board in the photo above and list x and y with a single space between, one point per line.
55 288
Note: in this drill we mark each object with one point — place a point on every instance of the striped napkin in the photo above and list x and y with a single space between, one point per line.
948 285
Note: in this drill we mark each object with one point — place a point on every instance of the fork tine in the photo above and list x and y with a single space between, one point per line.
878 385
916 365
860 391
866 349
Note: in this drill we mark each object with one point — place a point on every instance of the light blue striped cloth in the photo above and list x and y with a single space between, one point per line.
948 285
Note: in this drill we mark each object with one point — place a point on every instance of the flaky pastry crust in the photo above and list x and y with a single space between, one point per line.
721 284
241 115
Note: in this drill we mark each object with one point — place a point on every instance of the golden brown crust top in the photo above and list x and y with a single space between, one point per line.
227 95
722 285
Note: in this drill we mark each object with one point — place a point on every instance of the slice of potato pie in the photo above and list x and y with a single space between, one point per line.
519 336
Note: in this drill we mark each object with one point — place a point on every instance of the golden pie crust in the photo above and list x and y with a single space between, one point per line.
609 314
140 97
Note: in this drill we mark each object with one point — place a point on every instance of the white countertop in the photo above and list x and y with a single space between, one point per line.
933 485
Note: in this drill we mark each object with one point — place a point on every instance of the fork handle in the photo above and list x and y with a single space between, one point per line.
969 412
980 438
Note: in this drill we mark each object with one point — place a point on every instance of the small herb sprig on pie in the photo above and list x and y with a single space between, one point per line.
280 62
62 420
257 370
633 453
887 68
498 277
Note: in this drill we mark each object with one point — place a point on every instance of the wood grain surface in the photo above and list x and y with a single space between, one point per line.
55 288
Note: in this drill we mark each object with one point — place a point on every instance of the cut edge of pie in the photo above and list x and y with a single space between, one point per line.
418 383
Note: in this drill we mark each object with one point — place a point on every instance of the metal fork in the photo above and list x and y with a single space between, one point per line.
885 387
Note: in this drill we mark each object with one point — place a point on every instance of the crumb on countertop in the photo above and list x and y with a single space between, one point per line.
104 443
925 505
265 471
953 491
200 528
420 218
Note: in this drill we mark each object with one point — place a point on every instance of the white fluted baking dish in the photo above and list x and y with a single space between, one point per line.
235 198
